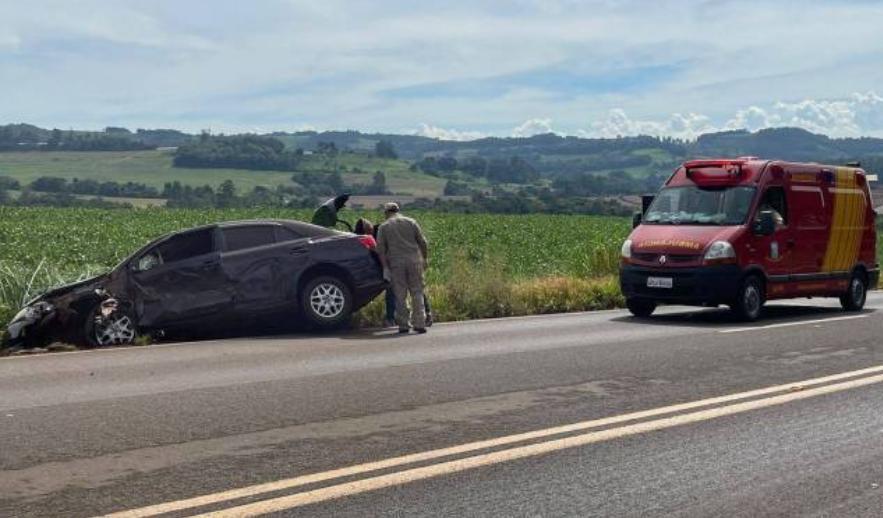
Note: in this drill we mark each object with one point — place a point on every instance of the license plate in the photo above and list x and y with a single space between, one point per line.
659 282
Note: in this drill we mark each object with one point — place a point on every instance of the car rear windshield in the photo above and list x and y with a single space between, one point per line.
693 205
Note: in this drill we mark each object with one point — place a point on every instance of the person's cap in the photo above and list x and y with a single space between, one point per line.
391 207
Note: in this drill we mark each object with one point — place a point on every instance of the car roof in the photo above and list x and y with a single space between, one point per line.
300 226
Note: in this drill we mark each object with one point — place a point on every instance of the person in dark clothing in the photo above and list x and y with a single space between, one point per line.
365 227
326 214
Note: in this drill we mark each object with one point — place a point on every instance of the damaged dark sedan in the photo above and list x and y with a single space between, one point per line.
197 281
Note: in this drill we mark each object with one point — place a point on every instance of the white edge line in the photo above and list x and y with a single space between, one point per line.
790 324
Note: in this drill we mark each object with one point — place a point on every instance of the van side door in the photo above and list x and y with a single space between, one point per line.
810 209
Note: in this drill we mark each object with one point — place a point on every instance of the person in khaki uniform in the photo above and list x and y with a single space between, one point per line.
404 254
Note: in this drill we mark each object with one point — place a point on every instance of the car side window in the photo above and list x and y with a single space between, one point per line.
185 246
240 238
149 261
774 200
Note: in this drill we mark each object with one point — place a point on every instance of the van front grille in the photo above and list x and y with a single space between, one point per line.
670 259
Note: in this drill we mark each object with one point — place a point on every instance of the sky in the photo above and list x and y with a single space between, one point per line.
453 69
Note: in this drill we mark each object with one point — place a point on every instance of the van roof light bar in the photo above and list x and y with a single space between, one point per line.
732 167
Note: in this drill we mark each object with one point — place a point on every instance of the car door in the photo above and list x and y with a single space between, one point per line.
257 259
180 279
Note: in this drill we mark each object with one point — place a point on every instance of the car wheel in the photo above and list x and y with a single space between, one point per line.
108 324
749 302
327 301
856 294
641 308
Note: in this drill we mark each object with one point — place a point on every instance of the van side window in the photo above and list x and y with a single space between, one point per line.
774 200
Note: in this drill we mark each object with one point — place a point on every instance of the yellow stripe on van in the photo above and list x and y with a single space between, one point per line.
847 222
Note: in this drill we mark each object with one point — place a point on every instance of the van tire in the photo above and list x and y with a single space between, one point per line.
856 293
750 299
641 308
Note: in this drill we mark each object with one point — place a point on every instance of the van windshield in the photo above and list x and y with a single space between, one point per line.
693 205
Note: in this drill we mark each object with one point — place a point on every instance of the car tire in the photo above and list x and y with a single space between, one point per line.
117 329
750 299
856 294
327 302
641 308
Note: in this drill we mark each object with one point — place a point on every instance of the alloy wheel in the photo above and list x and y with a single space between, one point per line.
327 300
115 330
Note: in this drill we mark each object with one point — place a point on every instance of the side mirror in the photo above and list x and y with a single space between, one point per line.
765 224
636 219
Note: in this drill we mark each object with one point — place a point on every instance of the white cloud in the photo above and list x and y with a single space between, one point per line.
856 115
618 123
752 118
9 41
345 64
430 131
533 127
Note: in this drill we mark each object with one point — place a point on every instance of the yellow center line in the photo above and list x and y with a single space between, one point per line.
291 483
508 455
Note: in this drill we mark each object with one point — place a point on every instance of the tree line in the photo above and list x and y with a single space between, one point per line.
239 152
513 169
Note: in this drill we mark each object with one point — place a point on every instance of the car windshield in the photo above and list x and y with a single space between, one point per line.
693 205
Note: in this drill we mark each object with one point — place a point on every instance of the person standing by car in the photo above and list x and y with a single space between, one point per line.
404 254
366 228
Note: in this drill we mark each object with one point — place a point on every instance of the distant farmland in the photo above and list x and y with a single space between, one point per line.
154 168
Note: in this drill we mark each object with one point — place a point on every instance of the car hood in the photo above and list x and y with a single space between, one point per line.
679 239
64 289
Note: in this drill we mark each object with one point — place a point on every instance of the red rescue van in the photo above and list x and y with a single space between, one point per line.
740 232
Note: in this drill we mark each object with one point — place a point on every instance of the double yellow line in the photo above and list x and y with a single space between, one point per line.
503 449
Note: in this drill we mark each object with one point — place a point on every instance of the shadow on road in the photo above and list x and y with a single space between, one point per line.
716 317
375 334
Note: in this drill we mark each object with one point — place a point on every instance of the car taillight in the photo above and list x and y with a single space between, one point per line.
368 242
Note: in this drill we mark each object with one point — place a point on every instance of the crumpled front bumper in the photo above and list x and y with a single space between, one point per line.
28 323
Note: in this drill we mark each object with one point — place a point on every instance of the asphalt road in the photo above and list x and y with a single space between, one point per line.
241 422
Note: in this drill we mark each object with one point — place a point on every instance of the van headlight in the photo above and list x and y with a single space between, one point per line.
626 251
720 251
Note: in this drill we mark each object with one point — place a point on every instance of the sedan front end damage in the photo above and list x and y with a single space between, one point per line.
207 281
29 323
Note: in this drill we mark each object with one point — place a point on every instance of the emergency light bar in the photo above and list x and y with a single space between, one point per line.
732 169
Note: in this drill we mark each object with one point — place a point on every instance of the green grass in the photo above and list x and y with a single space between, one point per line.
474 258
155 168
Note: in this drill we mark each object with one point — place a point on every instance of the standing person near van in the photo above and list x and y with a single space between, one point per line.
404 254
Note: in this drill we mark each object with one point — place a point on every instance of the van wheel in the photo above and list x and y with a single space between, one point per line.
641 308
856 294
327 302
749 301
